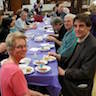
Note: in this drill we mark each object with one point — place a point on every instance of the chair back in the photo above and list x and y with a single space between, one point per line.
94 86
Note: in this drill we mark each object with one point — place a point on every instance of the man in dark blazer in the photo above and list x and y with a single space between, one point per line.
76 74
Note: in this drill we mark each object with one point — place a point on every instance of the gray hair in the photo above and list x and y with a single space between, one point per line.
72 16
56 20
10 40
23 12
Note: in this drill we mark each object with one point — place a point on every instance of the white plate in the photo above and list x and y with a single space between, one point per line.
49 58
30 36
44 68
38 39
51 45
44 48
44 44
29 70
34 49
26 69
25 61
48 45
47 26
45 36
38 62
50 30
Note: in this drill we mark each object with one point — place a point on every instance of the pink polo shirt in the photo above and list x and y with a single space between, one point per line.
12 81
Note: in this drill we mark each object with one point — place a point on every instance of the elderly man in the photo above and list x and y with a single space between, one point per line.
77 76
59 29
69 40
21 22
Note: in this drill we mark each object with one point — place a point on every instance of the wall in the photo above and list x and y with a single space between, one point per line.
1 4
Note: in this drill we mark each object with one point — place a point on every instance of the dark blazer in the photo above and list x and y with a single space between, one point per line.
62 32
80 69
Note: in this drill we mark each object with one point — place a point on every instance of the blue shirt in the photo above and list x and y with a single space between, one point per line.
68 44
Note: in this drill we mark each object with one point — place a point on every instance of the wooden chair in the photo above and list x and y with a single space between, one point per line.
94 86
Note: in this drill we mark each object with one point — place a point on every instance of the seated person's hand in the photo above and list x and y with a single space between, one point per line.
54 35
2 47
52 54
61 71
34 26
26 27
58 56
51 38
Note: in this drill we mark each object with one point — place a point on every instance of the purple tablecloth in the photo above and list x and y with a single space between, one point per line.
49 79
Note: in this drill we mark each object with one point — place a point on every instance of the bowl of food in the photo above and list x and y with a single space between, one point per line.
38 62
26 69
25 61
49 58
29 70
45 48
43 69
38 39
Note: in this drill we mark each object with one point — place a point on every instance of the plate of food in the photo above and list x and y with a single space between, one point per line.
44 48
38 39
43 69
47 45
29 70
49 58
25 61
26 69
51 45
34 49
39 62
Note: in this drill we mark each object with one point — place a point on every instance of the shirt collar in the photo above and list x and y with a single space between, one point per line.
83 39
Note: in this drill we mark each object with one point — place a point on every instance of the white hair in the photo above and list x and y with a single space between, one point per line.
22 13
69 15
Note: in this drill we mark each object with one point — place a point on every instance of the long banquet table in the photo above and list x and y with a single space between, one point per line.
49 79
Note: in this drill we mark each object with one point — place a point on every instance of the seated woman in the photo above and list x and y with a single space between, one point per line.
12 80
